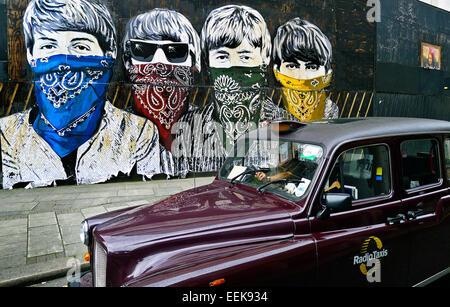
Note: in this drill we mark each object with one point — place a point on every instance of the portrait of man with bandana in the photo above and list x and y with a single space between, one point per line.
302 57
162 56
236 47
74 132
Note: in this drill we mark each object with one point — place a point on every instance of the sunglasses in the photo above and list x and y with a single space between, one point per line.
144 51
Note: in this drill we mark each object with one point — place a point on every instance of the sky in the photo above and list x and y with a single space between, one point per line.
443 4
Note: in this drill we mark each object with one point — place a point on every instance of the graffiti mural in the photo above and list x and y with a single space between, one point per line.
74 132
302 64
192 81
236 46
162 54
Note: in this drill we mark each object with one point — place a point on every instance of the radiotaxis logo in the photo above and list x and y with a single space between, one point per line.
369 258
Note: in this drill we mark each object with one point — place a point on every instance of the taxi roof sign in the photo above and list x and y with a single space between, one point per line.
286 126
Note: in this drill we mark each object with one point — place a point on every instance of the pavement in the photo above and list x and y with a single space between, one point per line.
39 228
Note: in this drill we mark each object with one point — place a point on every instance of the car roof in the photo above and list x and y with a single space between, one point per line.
331 133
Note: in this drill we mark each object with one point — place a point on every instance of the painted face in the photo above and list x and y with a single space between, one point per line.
244 55
302 70
165 52
50 43
167 64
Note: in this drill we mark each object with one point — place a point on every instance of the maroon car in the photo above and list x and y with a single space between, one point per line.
344 202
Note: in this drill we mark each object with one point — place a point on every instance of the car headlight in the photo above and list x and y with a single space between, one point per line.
84 233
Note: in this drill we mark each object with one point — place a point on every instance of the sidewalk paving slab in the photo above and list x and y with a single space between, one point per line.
39 228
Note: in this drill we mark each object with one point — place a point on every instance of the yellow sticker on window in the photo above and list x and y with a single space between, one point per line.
379 171
379 176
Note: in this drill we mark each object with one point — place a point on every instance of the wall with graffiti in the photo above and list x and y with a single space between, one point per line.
98 89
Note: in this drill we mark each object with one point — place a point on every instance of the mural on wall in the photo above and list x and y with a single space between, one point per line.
74 132
302 64
161 55
236 46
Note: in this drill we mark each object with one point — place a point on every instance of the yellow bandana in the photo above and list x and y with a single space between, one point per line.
315 84
304 98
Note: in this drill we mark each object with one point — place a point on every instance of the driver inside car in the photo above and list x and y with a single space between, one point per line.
287 169
294 168
294 174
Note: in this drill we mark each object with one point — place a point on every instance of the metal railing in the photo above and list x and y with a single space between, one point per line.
18 96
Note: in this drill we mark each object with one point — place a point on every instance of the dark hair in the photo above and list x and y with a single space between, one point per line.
89 16
164 24
299 39
229 25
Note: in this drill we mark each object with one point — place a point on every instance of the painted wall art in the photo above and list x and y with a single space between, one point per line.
74 132
236 47
162 56
302 64
194 86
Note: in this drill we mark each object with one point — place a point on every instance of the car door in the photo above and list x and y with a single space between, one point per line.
366 244
427 201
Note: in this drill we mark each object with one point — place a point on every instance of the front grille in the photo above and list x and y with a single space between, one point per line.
99 266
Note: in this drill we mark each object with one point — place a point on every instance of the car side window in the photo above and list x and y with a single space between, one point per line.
420 163
447 157
362 172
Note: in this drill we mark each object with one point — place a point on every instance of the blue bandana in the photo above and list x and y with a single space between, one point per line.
70 93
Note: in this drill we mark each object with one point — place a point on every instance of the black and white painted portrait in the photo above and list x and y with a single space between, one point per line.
302 57
162 56
236 47
74 133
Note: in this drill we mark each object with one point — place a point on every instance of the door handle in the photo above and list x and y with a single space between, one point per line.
399 218
412 215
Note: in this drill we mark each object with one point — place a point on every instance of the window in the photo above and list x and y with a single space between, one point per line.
362 172
447 157
420 163
281 167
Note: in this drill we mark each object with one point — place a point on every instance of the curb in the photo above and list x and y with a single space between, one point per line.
35 273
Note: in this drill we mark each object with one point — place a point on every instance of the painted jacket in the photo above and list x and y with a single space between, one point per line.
331 110
122 141
198 145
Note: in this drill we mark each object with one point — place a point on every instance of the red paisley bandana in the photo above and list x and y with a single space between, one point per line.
160 93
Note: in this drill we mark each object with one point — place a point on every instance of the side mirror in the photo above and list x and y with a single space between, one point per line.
335 202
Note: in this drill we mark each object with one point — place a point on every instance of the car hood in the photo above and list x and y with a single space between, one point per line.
214 214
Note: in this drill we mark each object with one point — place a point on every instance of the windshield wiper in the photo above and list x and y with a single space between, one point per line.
285 181
250 171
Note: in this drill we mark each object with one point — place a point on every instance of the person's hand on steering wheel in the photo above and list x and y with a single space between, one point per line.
261 176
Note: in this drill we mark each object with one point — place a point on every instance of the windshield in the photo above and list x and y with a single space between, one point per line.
281 167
